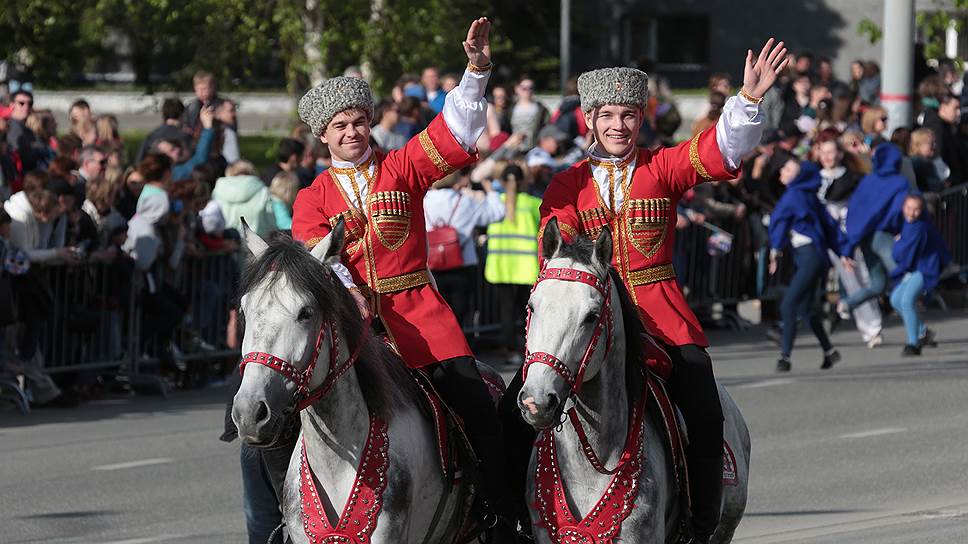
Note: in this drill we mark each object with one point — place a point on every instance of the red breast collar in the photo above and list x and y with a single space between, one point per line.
358 518
603 523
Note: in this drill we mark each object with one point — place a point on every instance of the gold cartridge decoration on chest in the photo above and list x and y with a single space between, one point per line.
646 223
391 211
354 229
592 221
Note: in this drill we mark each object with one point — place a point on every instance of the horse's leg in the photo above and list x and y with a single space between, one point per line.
734 497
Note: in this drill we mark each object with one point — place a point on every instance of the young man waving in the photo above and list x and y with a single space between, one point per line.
380 199
634 193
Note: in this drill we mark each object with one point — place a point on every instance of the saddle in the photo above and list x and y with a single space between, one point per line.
457 459
659 372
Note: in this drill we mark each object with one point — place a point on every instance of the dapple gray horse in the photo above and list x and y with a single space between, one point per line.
289 296
562 321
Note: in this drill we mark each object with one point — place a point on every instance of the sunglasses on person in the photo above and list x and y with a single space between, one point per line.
24 102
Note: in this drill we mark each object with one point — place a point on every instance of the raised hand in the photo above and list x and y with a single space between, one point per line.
761 73
478 45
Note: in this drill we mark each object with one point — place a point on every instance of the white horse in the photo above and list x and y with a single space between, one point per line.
365 413
587 359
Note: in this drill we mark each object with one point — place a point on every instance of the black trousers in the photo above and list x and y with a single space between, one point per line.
693 388
459 383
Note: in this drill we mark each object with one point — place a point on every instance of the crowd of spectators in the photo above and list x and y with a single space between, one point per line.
74 196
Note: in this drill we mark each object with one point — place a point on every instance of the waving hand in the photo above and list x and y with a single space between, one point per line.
761 72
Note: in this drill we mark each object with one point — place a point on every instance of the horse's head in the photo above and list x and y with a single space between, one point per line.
288 330
570 325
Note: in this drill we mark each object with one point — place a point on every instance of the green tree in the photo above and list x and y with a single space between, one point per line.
273 43
43 39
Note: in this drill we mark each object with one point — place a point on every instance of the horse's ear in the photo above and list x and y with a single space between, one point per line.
603 247
328 250
551 240
253 242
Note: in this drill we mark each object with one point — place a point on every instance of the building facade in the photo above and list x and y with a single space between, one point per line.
687 40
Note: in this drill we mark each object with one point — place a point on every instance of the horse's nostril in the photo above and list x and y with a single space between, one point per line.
262 412
552 401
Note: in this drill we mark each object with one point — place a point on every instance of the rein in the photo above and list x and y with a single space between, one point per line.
304 396
575 381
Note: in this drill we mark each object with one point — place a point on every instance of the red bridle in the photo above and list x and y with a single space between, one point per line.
304 396
604 287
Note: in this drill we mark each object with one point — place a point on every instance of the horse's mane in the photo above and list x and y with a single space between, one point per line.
384 381
582 250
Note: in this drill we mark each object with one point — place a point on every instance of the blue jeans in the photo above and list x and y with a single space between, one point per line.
877 255
801 296
262 512
904 298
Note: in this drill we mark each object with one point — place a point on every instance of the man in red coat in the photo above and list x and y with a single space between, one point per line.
634 192
380 199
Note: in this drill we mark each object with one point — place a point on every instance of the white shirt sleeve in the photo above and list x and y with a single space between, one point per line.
739 130
465 110
343 274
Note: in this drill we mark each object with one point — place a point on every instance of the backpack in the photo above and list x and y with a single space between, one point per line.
444 251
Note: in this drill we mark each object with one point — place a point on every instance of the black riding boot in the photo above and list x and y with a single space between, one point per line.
706 492
694 390
459 383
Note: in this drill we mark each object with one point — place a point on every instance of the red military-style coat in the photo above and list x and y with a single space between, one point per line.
644 228
386 243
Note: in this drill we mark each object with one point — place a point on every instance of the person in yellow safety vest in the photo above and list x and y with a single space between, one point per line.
512 260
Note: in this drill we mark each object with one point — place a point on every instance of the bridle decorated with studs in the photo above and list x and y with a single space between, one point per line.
604 287
604 322
304 396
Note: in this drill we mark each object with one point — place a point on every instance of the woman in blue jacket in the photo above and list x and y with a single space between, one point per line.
873 220
921 255
801 224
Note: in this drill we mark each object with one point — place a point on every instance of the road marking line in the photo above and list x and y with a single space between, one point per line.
146 540
766 383
874 432
135 464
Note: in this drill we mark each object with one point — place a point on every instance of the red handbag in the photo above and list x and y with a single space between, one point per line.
444 245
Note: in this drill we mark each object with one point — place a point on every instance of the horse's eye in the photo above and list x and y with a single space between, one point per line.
305 314
591 318
530 307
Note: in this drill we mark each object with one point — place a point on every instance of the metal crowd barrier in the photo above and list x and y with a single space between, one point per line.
951 218
90 323
97 315
208 284
98 318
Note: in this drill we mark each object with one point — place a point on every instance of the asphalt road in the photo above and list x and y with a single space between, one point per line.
874 450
